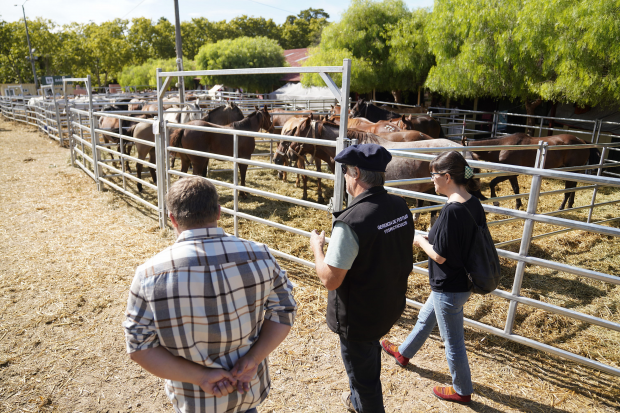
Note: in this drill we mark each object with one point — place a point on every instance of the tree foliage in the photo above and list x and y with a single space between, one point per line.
144 74
381 39
243 52
103 50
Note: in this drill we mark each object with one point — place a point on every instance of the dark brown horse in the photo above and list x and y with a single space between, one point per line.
221 115
554 159
363 109
220 143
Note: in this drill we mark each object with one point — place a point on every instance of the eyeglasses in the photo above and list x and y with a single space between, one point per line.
436 173
344 168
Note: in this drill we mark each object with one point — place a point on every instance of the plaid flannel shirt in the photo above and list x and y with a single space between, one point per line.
204 299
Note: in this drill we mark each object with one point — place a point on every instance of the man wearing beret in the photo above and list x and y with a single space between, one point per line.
365 270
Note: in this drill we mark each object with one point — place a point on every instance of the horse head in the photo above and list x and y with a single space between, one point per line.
266 122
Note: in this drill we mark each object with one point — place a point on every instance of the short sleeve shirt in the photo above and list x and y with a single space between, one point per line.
343 247
451 238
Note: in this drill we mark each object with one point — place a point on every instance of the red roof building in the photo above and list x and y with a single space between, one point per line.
295 58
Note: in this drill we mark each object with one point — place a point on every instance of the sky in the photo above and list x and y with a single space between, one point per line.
83 11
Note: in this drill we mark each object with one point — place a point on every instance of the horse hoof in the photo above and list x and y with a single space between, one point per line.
139 187
320 200
496 204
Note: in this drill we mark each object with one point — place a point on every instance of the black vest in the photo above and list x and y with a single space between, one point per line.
372 296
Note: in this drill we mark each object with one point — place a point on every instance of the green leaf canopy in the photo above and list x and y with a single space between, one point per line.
244 52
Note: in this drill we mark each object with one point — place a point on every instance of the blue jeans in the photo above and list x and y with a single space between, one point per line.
445 310
254 410
362 361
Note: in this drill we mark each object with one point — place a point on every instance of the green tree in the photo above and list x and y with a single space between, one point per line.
576 43
109 48
363 35
243 52
144 74
304 29
14 67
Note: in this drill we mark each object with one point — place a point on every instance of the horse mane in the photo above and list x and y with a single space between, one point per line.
361 136
240 123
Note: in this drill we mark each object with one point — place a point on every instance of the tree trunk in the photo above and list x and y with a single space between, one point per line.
398 96
529 108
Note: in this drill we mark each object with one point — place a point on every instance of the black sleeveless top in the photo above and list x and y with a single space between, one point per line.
371 297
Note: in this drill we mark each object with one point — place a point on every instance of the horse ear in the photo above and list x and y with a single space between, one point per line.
256 108
403 118
464 140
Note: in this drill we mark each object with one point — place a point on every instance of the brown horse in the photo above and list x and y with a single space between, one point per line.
221 115
398 168
220 143
554 159
109 124
425 124
281 119
288 152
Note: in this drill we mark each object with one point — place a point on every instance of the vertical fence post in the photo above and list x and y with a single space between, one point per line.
526 239
60 139
599 172
69 123
167 154
235 183
464 126
594 128
159 154
494 127
94 140
339 188
541 127
598 132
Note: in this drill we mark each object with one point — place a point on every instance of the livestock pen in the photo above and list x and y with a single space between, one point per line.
509 303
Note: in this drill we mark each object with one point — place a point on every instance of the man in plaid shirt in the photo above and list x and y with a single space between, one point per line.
205 313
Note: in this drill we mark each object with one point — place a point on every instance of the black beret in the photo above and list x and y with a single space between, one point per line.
370 156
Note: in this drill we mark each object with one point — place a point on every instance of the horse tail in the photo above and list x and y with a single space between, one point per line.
131 129
176 137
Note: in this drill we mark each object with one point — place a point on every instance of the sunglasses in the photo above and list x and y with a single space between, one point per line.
344 169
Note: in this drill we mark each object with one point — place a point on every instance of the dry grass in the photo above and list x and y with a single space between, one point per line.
67 256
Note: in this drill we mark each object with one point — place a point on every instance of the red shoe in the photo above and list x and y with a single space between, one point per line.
392 350
450 395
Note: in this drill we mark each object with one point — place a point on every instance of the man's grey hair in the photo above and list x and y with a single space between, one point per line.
372 178
193 202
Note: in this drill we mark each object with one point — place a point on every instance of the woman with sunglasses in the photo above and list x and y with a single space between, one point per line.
447 246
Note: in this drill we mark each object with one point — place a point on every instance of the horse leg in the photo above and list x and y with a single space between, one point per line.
569 196
184 163
152 170
243 169
319 191
419 203
139 175
493 184
515 188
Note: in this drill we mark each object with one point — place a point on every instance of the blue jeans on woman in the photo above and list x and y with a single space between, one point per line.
445 310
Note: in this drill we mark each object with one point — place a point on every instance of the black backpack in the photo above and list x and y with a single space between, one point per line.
482 265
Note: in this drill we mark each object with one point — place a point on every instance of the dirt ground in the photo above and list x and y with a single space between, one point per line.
67 257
